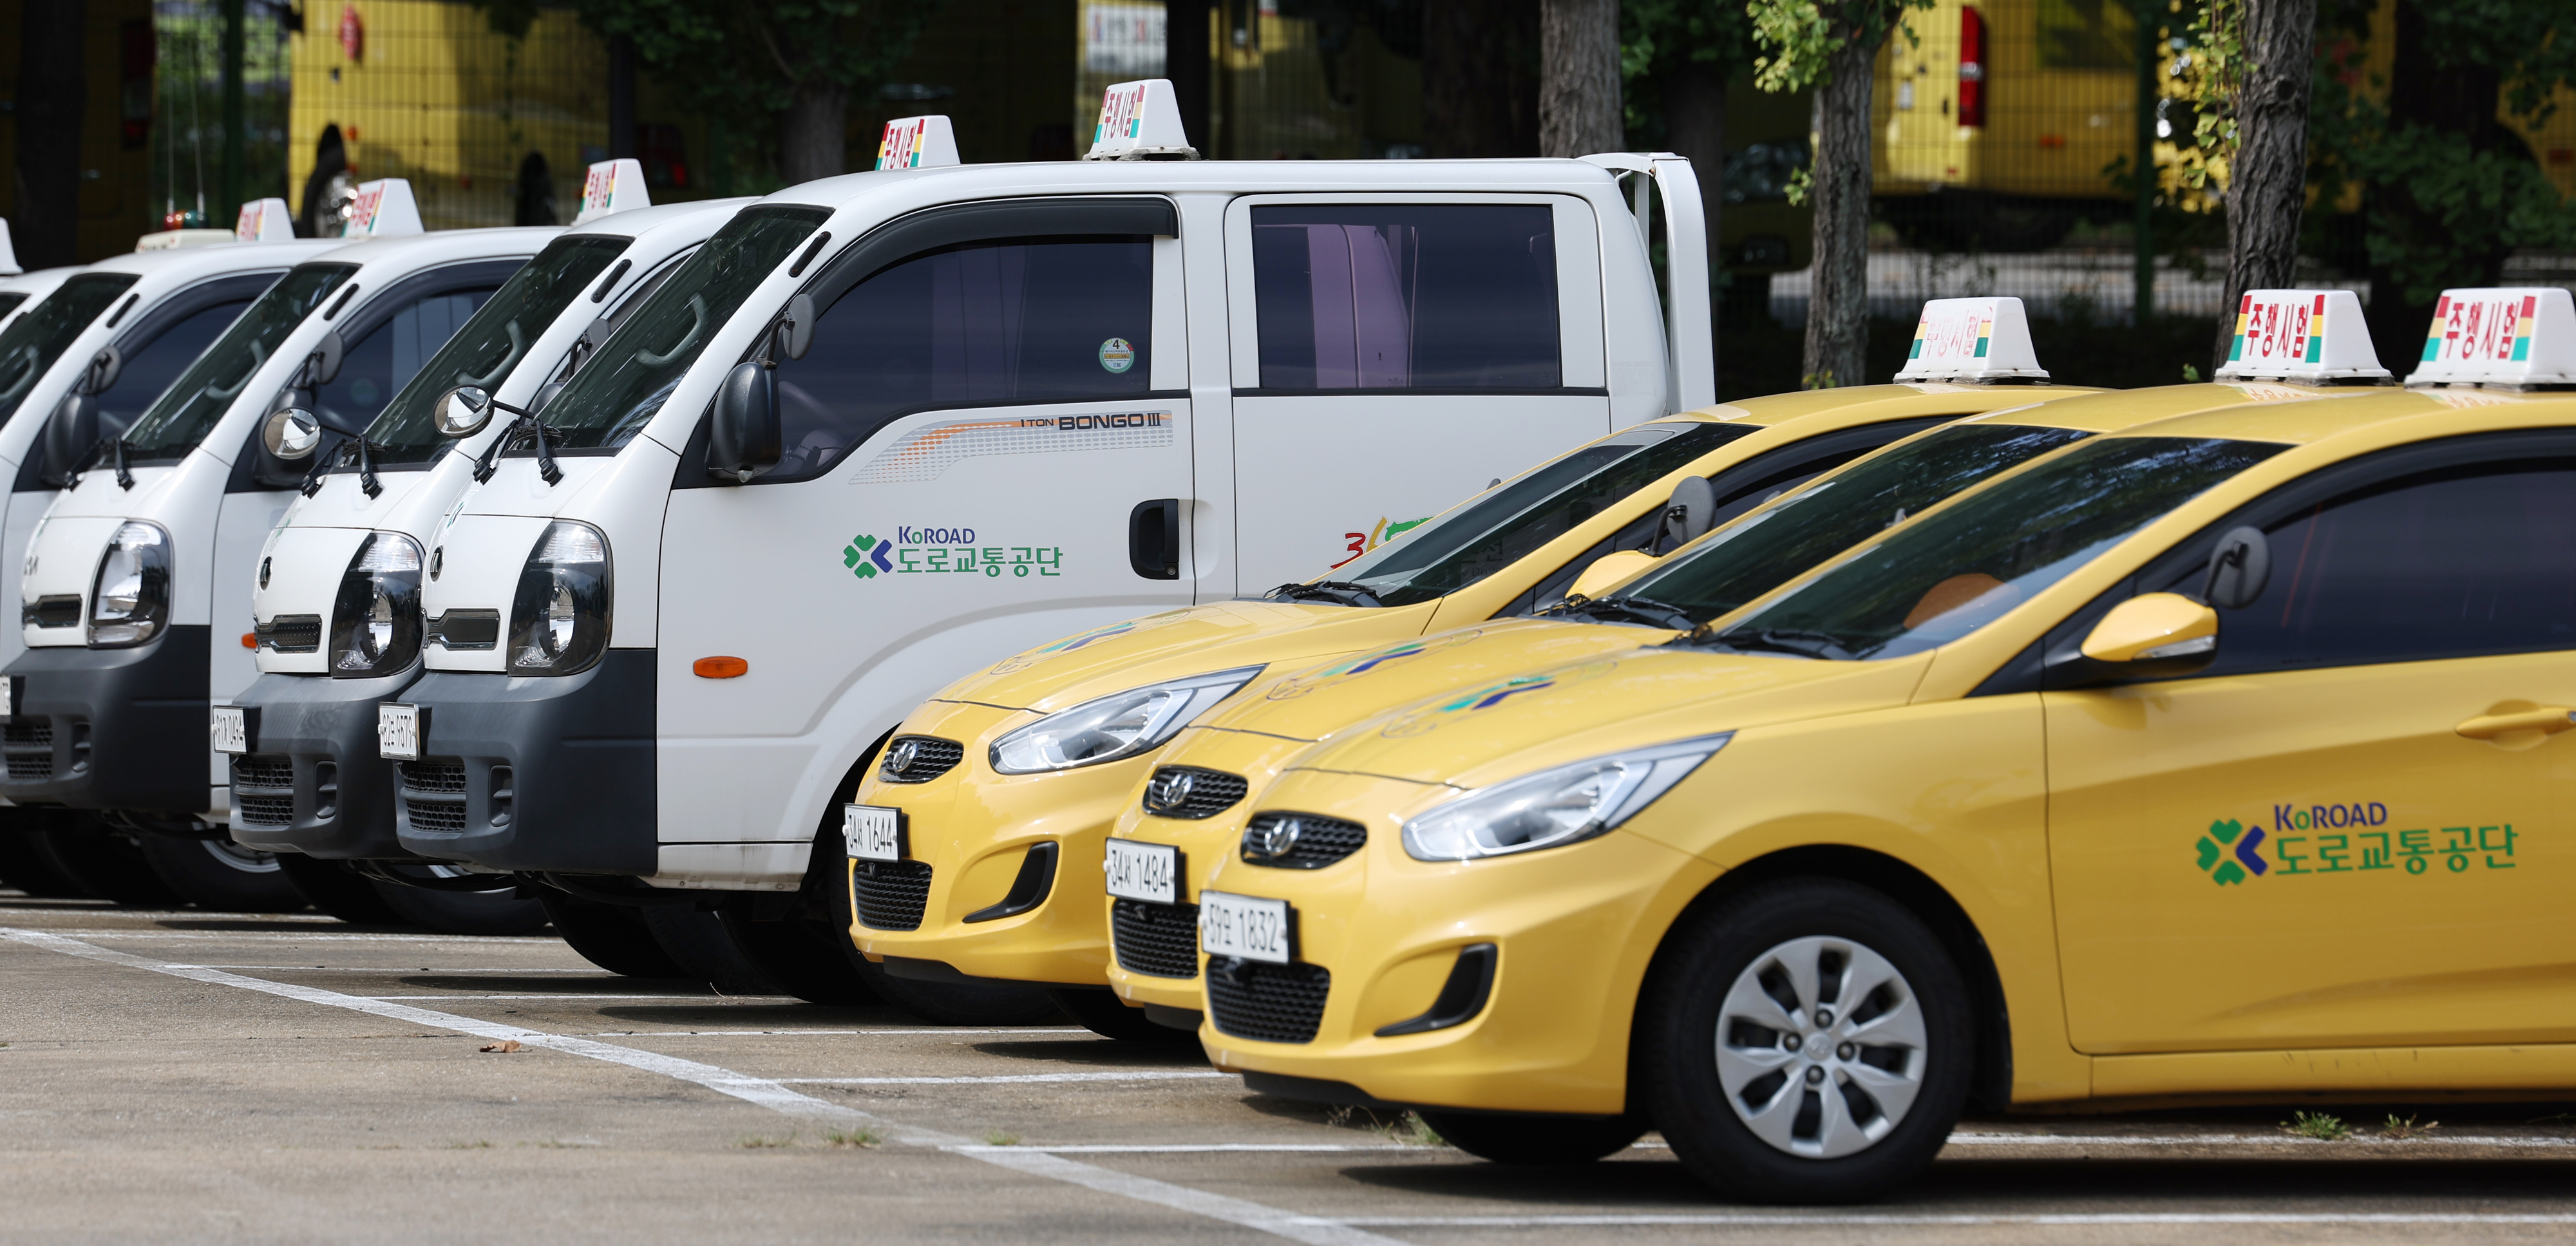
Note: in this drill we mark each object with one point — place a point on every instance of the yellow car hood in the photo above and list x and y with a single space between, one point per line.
1176 644
1317 701
1621 699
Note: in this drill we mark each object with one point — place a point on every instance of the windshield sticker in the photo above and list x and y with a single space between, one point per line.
1031 658
1116 355
1432 717
928 452
1383 532
1348 669
2337 839
946 551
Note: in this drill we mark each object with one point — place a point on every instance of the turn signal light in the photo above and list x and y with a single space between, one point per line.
720 668
250 640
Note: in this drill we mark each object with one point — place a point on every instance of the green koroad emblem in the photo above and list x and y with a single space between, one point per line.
2215 858
865 556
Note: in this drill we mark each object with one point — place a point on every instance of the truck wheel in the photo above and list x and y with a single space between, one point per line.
1104 1014
801 955
1808 1041
1534 1138
698 944
499 911
610 936
956 1003
106 863
220 875
337 890
25 865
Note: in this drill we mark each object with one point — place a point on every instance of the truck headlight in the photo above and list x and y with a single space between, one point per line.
1120 725
129 601
375 621
559 615
1566 805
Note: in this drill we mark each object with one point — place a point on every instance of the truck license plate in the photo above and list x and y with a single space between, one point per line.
398 731
231 729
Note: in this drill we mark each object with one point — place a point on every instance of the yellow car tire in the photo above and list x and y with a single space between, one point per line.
1807 1040
1101 1012
1518 1138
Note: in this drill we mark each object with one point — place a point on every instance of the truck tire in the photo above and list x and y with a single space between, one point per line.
610 936
106 863
698 944
336 889
221 876
802 956
25 865
499 911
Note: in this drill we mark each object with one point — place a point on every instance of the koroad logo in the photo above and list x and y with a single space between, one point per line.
947 551
2349 839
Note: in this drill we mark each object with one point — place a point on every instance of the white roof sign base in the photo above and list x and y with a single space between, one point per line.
612 186
2301 335
384 209
1140 121
264 220
2506 338
1985 339
917 143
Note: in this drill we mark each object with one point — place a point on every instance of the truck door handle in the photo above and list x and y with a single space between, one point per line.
2547 720
1154 539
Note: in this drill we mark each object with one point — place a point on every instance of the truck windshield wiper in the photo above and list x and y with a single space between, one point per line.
1794 641
1645 610
1338 592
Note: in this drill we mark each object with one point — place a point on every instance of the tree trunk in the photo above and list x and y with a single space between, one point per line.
2267 178
1480 78
1837 350
621 98
2458 101
51 90
1186 64
812 134
1578 96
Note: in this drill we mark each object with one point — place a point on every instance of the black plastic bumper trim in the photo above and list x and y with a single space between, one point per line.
578 751
129 725
1470 984
1028 890
315 720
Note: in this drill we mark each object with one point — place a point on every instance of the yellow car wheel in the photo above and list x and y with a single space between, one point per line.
1515 1138
1807 1041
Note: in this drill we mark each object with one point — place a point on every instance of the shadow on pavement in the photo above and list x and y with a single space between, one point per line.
557 984
1087 1050
761 1015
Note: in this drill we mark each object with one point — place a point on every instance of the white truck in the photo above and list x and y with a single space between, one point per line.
135 588
887 426
337 592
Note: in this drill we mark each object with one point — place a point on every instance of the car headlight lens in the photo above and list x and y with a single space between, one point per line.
129 601
559 615
375 621
1552 808
1120 725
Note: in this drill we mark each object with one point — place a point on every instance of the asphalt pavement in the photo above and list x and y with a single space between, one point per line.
197 1077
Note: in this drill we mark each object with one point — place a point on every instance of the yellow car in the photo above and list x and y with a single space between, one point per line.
2210 758
1008 781
1243 744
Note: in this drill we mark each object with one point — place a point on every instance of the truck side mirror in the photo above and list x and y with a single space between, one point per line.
100 376
1688 515
2238 569
291 434
69 436
796 328
463 411
1610 569
743 439
2155 636
324 363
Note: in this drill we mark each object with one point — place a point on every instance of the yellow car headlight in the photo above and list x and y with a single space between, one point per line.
1552 808
1119 725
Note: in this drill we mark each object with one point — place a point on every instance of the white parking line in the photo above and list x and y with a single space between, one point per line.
586 969
766 1093
2170 1140
697 999
924 1029
1123 1075
1193 1148
1873 1219
280 936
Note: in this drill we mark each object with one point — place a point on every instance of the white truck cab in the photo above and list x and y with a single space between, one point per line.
336 596
887 426
136 584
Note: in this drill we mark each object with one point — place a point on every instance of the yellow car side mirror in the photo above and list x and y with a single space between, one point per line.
2155 628
1609 569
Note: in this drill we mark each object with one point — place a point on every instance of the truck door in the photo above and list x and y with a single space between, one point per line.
984 449
1394 354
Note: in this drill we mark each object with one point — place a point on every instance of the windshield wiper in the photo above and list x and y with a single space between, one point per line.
1338 592
1645 610
1798 642
339 457
124 477
526 425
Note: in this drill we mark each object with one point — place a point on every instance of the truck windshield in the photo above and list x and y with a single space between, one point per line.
616 393
1746 559
490 344
41 336
1451 551
184 413
1952 572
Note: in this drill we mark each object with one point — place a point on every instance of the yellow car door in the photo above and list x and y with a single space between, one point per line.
2352 829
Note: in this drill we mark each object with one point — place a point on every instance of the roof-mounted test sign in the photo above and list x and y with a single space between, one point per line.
265 220
383 209
1984 339
2301 335
2500 339
917 143
1140 121
612 186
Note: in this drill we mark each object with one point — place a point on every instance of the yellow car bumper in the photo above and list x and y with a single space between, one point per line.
1572 931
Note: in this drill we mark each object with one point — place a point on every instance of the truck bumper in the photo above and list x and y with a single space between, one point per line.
111 728
312 782
535 774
